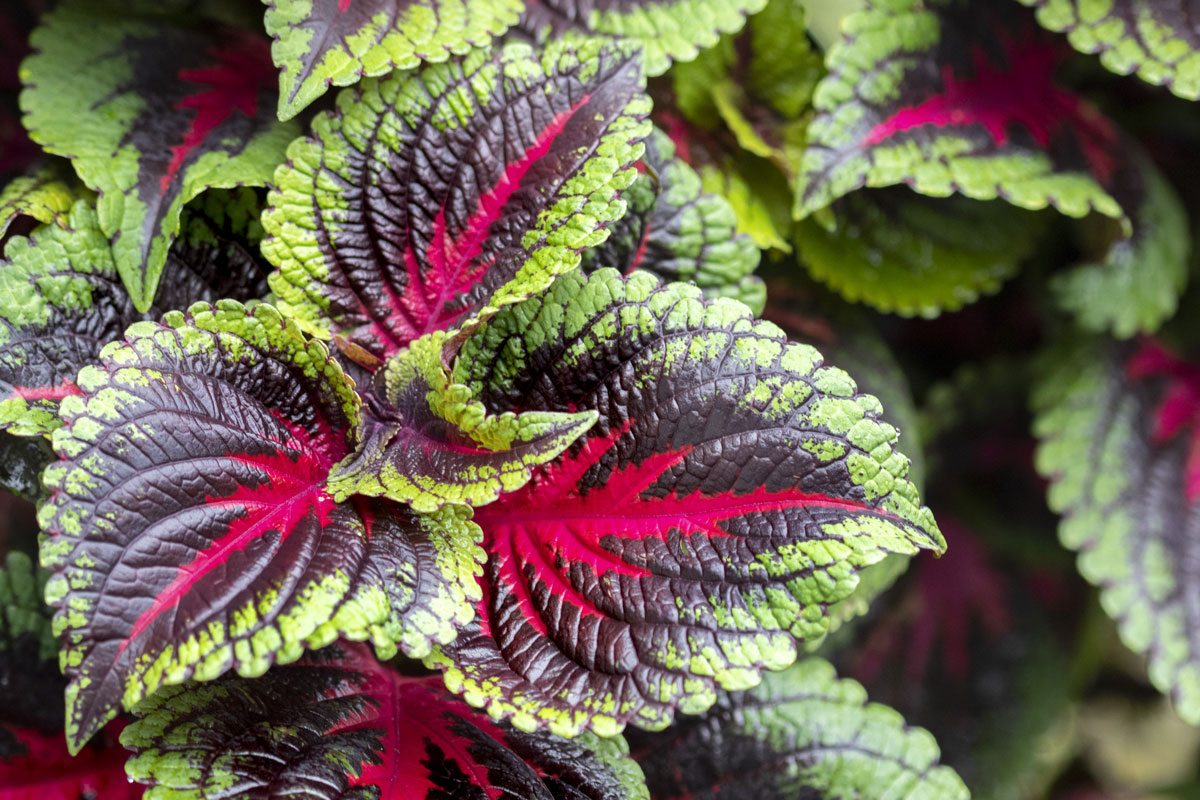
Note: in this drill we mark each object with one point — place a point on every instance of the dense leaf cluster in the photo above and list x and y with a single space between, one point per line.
481 428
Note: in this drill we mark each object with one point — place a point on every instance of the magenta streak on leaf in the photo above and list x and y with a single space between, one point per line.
241 71
293 489
46 771
450 272
551 521
343 5
1179 409
1024 92
410 711
636 261
64 389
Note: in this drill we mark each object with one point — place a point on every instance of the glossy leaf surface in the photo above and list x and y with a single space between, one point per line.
340 725
728 493
430 195
426 441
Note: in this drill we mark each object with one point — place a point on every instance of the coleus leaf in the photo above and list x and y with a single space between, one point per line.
189 529
727 494
429 192
1135 286
62 299
152 108
427 442
1157 39
900 252
323 42
677 231
1119 427
759 195
666 30
802 733
950 96
340 725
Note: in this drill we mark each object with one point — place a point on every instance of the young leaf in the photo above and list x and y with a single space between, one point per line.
950 96
340 725
665 30
1136 286
728 493
430 192
323 42
1157 39
152 109
1119 429
900 252
679 232
802 733
189 529
427 441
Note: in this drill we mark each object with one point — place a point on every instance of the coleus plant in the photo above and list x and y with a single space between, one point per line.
464 361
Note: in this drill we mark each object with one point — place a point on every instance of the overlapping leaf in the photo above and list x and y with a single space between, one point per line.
153 108
677 231
45 195
1135 286
426 441
63 300
727 494
802 733
908 254
323 42
1157 39
949 96
340 725
429 195
189 529
665 30
1119 429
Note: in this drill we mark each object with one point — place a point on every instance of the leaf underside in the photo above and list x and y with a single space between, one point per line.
728 492
903 253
